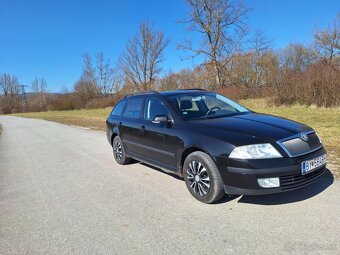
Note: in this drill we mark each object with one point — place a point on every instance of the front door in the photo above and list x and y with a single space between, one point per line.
159 140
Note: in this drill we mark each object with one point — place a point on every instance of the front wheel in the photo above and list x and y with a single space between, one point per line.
119 151
202 177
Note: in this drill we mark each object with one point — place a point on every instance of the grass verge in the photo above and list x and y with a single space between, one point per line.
326 121
91 118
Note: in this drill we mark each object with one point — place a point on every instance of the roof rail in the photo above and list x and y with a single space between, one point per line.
193 89
142 93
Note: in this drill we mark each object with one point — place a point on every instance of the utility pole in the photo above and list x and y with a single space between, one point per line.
23 97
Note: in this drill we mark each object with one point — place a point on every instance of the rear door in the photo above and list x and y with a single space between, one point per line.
113 120
130 126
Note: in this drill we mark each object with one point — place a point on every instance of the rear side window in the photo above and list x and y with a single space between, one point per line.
133 108
118 110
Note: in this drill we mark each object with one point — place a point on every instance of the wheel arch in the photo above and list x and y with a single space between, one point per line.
113 135
186 152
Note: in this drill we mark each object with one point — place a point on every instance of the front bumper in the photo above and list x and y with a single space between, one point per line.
241 176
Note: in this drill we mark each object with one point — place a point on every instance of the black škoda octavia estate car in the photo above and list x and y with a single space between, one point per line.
217 145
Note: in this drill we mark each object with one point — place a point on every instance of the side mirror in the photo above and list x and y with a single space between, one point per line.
160 119
163 119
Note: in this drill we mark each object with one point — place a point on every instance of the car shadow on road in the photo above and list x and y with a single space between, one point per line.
292 196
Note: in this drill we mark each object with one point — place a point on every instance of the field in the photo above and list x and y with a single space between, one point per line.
326 121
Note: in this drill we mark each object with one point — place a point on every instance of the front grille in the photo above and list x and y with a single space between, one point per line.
297 180
296 146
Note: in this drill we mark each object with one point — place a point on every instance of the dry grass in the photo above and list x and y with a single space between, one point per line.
326 121
91 118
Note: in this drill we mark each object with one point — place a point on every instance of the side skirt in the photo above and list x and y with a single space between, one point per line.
156 164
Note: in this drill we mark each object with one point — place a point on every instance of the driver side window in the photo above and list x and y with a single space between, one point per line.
155 107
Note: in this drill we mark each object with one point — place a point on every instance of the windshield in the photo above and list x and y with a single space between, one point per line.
197 106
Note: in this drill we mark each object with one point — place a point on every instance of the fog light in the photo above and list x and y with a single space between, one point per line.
269 182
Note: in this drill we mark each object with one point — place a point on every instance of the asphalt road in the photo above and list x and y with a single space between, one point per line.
62 193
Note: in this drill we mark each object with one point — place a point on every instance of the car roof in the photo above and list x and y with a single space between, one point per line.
166 93
181 92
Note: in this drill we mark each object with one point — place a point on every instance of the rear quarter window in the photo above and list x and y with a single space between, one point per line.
118 109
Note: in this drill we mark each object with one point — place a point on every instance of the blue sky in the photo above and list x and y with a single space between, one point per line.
47 38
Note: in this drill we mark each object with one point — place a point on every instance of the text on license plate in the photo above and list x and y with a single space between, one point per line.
309 165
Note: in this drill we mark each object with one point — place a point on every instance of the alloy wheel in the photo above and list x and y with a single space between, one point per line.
118 152
198 178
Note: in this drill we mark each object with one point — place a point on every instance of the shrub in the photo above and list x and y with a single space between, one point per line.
318 85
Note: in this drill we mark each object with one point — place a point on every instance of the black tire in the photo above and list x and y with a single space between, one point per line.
205 169
119 151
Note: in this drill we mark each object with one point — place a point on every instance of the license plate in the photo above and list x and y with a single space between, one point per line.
310 165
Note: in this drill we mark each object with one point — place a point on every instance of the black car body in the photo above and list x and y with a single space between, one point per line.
155 127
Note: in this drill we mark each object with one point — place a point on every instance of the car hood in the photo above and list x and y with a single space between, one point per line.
262 126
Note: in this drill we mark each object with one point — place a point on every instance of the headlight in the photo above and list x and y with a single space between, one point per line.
318 137
255 151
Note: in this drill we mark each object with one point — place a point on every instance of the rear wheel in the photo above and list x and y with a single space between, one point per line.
202 177
119 151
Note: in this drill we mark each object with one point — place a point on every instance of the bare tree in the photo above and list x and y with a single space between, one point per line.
89 72
220 22
327 40
297 57
64 90
104 74
10 87
39 86
86 86
168 82
260 46
118 76
143 56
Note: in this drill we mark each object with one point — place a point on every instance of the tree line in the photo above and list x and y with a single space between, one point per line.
237 62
